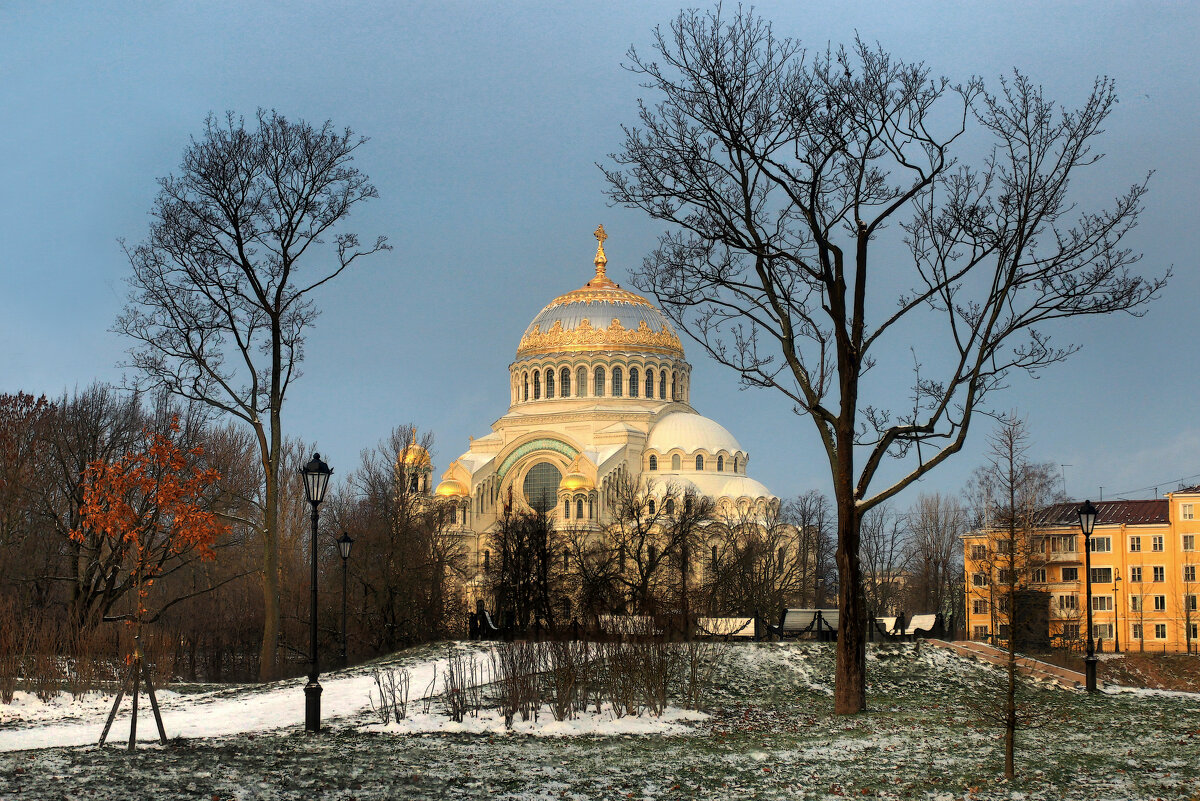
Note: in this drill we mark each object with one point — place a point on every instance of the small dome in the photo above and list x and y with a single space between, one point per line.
414 456
690 432
450 488
575 478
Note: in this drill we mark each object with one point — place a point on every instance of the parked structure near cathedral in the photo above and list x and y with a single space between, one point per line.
1144 564
599 393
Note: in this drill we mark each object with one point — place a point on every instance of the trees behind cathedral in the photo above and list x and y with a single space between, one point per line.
819 221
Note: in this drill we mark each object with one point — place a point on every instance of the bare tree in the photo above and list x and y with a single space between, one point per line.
219 303
936 524
813 517
885 557
757 564
777 172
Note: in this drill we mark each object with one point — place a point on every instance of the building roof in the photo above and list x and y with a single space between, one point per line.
690 432
1107 513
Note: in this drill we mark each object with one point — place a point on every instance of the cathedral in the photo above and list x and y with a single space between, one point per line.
598 393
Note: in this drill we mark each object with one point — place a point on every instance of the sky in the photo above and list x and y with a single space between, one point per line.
486 124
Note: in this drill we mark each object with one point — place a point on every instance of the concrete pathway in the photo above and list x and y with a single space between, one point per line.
1033 668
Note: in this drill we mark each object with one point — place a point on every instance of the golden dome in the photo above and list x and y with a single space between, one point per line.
413 455
450 488
600 316
575 478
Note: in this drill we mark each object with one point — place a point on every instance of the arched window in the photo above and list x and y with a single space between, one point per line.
591 507
464 515
618 378
526 379
674 385
651 506
662 385
650 384
581 382
782 551
714 555
566 507
720 464
653 462
687 504
537 385
487 561
633 382
550 383
599 385
541 486
579 508
676 463
699 461
670 506
564 382
735 464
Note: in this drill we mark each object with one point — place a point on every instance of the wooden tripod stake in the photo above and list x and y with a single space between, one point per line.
138 669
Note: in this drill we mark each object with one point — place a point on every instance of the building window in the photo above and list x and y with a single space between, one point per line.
1189 542
978 552
1136 631
699 462
1062 544
579 508
714 555
1160 603
674 394
653 462
618 378
526 377
670 506
1135 603
1038 575
979 579
537 385
1160 631
1068 602
1102 603
487 561
566 507
1195 631
564 382
1004 546
633 382
687 504
720 464
1101 544
1189 572
1135 574
1004 576
598 387
1070 574
550 383
541 486
1135 544
1160 573
651 505
979 633
735 464
782 553
662 385
591 508
1187 512
979 607
1101 575
650 384
676 463
1156 542
1070 631
1189 603
1102 631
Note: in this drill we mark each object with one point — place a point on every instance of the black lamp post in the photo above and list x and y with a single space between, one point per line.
344 542
1087 521
1116 620
316 479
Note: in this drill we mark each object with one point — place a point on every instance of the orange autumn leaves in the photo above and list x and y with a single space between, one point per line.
152 504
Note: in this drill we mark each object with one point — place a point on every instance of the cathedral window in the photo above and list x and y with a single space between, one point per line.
581 382
662 385
487 561
652 506
653 462
599 389
735 464
591 508
618 379
674 384
537 385
720 464
633 382
676 463
564 383
579 508
526 377
687 504
566 507
670 506
714 556
550 383
541 486
699 462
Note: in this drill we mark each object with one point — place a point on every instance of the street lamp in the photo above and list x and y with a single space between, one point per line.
316 479
1087 521
344 542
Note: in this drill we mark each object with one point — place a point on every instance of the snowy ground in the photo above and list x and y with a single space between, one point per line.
770 734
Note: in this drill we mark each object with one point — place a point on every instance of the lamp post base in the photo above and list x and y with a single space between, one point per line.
312 706
1089 672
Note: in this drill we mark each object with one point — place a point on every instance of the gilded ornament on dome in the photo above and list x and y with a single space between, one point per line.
587 337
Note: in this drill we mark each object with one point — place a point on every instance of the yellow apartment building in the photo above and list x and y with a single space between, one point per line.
1145 560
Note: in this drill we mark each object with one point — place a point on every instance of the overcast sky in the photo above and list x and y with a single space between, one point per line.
486 121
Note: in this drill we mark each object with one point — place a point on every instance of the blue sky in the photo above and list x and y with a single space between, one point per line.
486 122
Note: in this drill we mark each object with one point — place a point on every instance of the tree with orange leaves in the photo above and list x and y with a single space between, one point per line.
151 506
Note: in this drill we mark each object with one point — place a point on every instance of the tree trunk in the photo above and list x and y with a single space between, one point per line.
850 694
268 660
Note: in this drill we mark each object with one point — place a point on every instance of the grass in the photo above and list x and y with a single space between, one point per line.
771 735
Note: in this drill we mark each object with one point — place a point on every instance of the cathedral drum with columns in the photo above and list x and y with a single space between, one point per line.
598 394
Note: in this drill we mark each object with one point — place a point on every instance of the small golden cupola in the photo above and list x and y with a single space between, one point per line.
576 479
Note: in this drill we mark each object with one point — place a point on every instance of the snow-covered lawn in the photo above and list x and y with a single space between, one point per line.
770 733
